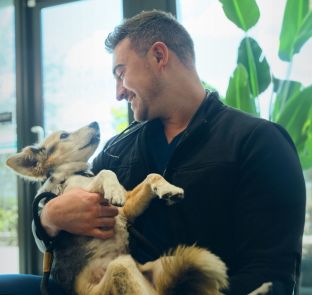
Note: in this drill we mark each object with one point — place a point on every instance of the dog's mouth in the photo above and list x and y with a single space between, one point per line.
94 140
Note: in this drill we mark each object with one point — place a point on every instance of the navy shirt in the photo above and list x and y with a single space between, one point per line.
160 151
159 154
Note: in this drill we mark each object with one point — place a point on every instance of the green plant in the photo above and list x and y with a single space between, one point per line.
8 226
291 103
120 121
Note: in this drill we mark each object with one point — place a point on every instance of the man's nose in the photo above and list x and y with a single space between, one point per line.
121 91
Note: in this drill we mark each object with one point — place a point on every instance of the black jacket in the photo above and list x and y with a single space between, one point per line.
244 194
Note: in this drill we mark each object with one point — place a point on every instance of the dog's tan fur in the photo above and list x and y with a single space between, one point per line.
111 271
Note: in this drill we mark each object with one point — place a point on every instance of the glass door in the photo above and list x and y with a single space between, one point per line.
77 82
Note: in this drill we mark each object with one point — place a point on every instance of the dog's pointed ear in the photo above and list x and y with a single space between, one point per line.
25 163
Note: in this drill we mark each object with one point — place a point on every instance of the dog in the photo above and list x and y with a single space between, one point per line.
88 266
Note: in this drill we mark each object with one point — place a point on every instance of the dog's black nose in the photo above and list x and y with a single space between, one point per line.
94 125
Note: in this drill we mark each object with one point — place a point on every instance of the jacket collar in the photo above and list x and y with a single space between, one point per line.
206 111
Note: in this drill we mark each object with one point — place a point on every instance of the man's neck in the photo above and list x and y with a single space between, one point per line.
181 116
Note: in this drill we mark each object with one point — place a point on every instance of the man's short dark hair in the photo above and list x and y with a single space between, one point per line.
148 27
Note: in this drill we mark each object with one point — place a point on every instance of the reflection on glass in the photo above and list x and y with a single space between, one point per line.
8 193
78 83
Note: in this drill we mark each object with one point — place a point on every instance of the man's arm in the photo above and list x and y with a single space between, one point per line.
78 212
269 212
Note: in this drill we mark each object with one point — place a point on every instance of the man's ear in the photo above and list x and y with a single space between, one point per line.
26 164
160 52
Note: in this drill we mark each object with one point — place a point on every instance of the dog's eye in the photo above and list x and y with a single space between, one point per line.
64 135
34 149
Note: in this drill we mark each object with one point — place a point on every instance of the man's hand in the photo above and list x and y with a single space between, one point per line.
79 212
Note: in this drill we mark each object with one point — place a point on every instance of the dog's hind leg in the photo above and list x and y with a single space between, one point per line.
122 277
153 186
125 278
106 183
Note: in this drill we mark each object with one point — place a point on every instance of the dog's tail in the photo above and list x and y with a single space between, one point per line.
192 270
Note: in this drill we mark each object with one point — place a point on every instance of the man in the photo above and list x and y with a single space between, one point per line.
244 189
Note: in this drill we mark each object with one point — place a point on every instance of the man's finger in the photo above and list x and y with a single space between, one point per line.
108 211
102 234
105 222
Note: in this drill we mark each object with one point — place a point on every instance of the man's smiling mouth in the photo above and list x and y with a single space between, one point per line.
130 98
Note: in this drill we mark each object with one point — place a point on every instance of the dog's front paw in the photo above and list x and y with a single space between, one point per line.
169 192
115 194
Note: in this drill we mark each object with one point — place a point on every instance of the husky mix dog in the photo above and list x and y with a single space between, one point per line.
89 266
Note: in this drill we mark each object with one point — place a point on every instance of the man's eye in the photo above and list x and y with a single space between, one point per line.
121 76
64 135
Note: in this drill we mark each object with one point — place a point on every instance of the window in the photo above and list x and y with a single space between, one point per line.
78 85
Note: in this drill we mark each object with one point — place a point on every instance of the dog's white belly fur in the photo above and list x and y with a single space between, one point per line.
112 247
104 252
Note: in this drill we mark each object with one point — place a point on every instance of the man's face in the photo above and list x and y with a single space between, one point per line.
135 80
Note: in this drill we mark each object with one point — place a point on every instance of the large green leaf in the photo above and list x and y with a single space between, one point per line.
251 56
243 13
238 94
296 117
284 90
296 28
305 32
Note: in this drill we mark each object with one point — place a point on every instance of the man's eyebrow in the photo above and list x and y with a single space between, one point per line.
116 67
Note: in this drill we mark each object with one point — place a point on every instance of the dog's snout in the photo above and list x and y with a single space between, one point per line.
94 125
